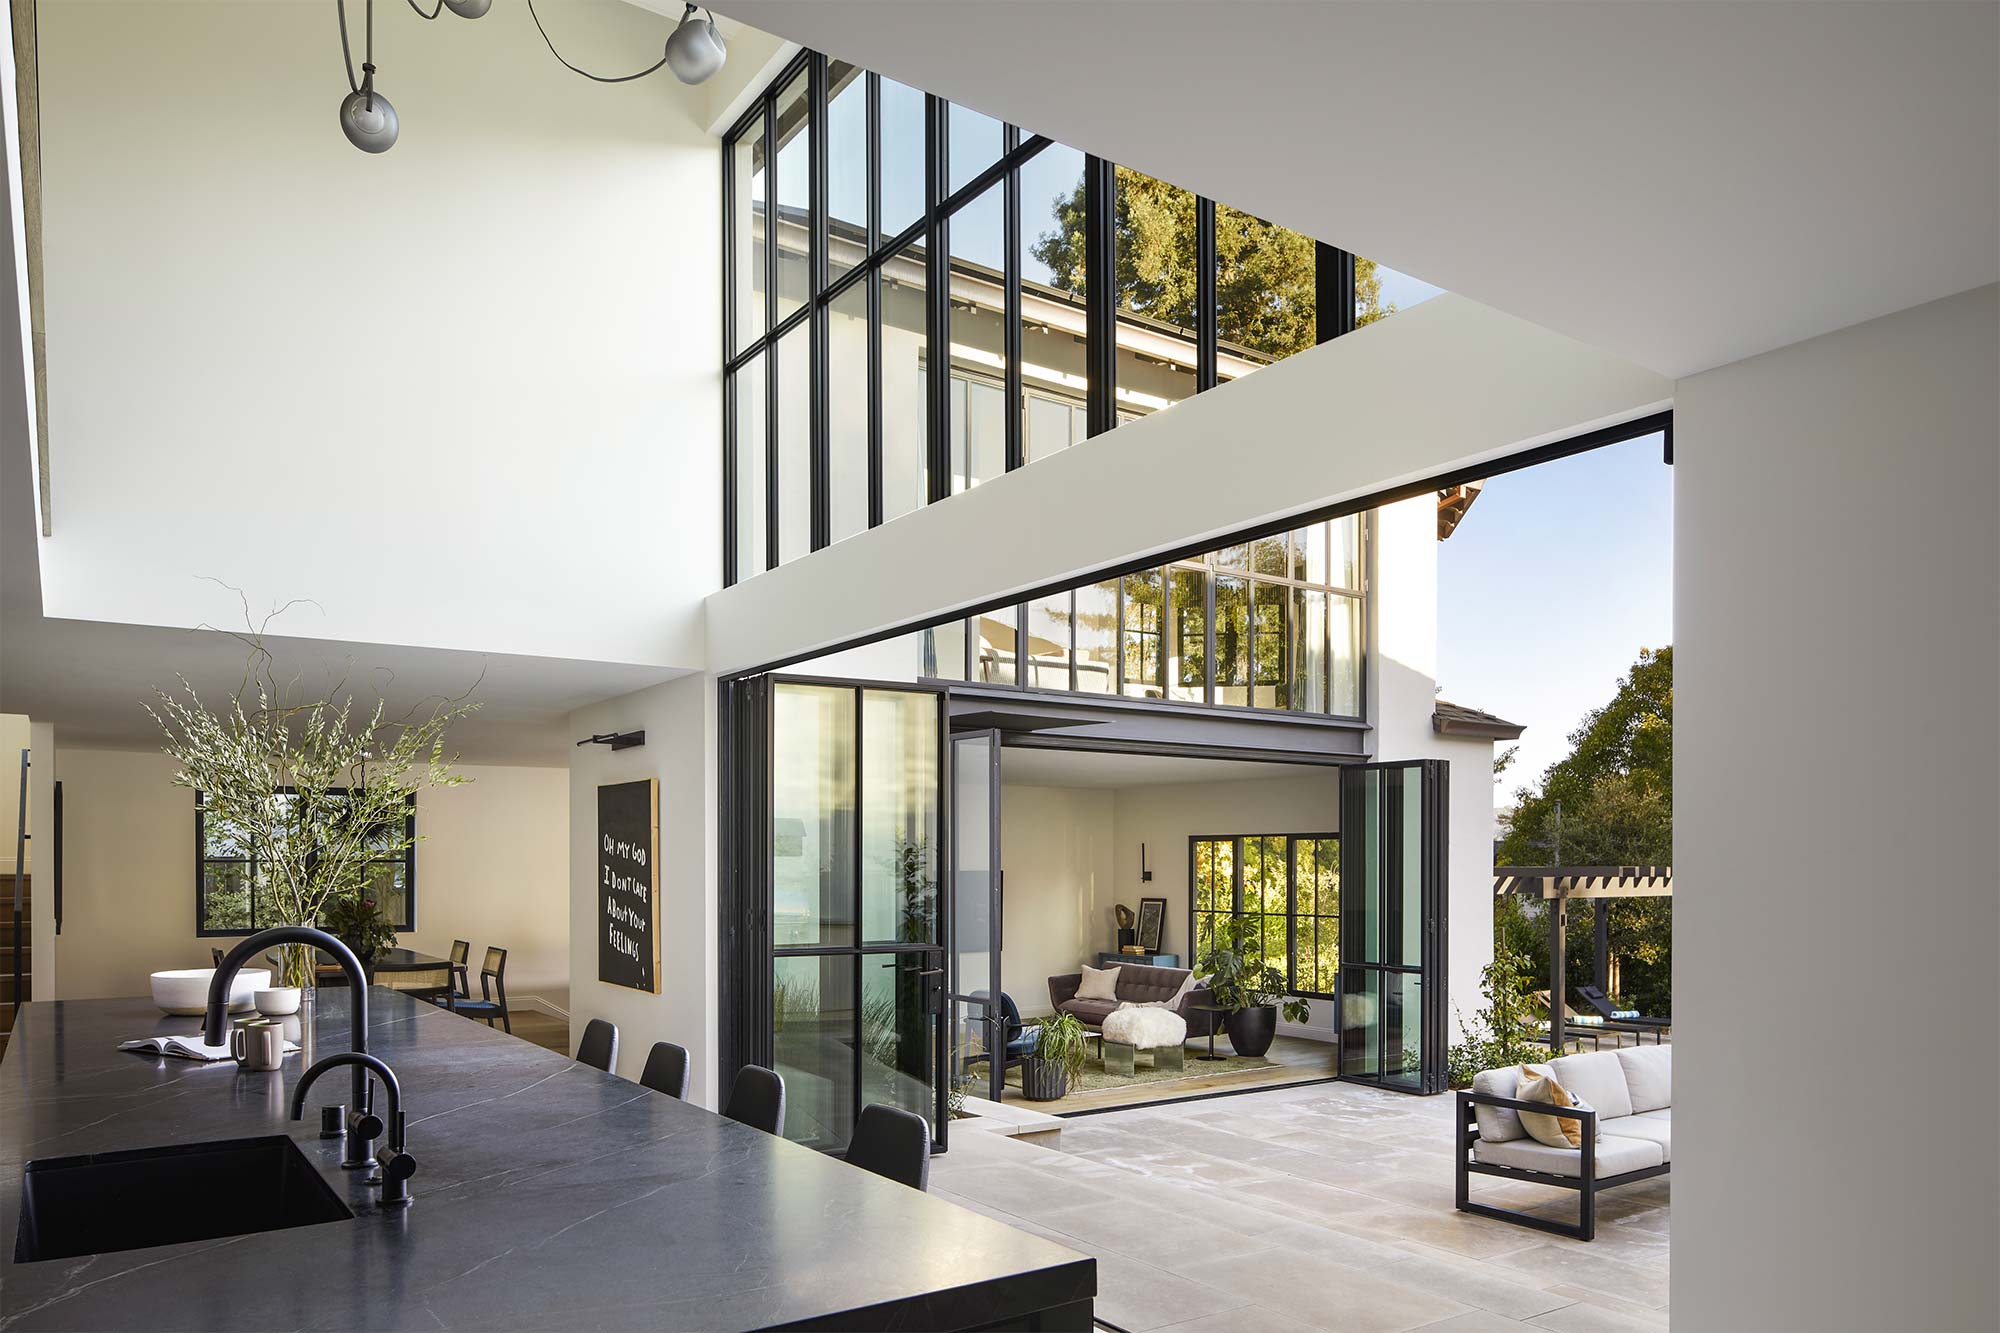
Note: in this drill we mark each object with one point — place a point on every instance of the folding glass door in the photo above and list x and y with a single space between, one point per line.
1393 834
978 1038
855 857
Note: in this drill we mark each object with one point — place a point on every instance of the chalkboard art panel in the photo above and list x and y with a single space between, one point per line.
628 884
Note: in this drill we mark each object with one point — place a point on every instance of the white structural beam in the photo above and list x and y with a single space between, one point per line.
1445 384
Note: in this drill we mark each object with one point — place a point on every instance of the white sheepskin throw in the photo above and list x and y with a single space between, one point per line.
1145 1027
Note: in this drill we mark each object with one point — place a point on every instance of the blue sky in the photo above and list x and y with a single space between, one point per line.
1546 592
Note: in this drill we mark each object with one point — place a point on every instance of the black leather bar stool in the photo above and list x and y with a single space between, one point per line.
666 1070
757 1099
599 1047
892 1143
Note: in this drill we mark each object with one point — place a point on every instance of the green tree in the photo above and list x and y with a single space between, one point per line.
1616 791
1266 290
1616 784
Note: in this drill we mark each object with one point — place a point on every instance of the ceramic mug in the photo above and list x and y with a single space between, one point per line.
258 1047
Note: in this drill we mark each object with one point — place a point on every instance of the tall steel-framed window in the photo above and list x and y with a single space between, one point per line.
873 233
230 881
1288 885
1277 624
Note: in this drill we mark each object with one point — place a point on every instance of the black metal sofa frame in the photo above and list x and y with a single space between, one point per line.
1587 1184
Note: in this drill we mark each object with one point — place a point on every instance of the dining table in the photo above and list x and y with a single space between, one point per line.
385 960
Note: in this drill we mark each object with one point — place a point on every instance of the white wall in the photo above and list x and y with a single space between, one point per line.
491 868
679 719
1837 773
1056 850
14 737
1446 382
463 394
1403 692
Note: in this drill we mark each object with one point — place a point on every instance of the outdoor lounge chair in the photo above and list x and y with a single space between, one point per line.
1019 1041
1601 1002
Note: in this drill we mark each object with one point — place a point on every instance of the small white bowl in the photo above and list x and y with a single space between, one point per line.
278 1002
185 990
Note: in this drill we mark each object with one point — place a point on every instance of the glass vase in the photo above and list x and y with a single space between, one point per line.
297 966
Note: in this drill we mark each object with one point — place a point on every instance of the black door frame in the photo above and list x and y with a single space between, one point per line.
956 991
749 952
1433 907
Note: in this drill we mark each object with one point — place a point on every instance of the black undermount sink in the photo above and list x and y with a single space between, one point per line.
103 1202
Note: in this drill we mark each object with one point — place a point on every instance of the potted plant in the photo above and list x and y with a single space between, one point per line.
360 923
1054 1058
1250 989
315 784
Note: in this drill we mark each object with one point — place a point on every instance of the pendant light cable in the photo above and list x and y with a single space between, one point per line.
346 56
599 78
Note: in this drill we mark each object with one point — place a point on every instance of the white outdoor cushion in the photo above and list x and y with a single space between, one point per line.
1649 1076
1500 1124
1646 1127
1615 1156
1597 1078
1145 1028
1099 983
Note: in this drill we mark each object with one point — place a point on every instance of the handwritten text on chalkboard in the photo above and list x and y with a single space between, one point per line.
628 883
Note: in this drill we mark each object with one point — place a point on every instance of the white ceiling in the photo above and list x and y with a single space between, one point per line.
1092 769
1682 184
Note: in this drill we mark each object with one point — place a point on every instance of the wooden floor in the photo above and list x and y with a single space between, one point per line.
1293 1060
544 1030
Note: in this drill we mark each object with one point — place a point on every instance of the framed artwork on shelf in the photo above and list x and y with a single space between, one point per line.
1152 922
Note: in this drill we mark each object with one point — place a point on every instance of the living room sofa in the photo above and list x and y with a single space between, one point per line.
1140 984
1627 1131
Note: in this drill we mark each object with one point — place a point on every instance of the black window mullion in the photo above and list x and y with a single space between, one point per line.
874 281
1010 329
729 570
1100 203
1333 292
1208 583
937 321
1207 315
770 130
817 209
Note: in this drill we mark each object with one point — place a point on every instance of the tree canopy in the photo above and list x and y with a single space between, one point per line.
1267 297
1616 785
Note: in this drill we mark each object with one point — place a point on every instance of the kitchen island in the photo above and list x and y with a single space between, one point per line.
548 1195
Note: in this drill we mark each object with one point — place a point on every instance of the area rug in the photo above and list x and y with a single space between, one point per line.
1094 1079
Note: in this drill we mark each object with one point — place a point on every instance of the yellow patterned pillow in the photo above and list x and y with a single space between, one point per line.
1558 1131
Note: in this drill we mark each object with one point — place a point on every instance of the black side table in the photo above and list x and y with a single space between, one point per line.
1214 1022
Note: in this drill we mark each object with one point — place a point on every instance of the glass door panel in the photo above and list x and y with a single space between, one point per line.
1393 834
854 776
899 1029
812 1021
975 910
899 817
812 815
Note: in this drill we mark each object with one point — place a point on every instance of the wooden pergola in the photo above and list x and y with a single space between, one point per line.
1557 885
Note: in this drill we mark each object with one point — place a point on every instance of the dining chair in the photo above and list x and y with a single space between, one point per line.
426 983
492 1003
599 1047
461 980
757 1099
666 1070
892 1143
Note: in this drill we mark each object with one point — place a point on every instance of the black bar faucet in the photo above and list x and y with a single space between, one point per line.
397 1165
361 1124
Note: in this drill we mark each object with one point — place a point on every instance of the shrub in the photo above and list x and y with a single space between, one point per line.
1499 1034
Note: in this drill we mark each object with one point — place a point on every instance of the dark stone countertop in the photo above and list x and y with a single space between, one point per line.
548 1195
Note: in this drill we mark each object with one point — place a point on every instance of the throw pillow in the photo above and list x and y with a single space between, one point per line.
1099 983
1555 1130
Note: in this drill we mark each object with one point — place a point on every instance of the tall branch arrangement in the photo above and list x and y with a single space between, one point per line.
316 788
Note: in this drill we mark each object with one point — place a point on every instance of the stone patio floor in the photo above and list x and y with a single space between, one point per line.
1320 1207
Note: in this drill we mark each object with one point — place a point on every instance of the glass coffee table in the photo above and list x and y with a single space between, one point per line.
1215 1021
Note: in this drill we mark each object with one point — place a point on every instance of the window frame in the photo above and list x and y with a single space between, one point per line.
1291 843
202 930
1333 284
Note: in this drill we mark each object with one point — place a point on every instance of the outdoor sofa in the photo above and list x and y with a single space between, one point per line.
1627 1131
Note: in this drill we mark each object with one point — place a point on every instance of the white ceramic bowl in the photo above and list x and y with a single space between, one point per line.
278 1002
185 990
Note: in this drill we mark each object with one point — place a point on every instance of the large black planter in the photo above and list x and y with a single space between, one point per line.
1252 1030
1045 1080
